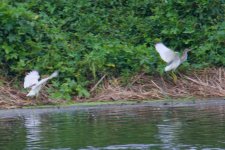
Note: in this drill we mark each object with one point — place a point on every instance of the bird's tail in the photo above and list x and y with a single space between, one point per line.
54 74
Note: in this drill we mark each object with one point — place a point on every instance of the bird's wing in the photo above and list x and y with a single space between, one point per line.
173 65
53 75
31 79
165 53
35 90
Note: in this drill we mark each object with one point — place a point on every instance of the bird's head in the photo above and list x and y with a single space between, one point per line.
185 55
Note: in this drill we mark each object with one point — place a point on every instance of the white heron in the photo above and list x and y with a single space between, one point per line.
172 58
31 81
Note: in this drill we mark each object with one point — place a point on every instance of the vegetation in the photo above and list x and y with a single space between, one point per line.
88 39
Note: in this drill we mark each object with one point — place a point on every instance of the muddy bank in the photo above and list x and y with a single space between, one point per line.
201 84
157 104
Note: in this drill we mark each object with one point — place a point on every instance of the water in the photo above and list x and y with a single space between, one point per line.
114 127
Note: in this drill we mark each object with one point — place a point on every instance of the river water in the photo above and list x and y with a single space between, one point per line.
122 127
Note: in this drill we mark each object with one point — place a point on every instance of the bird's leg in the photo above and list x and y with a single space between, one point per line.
174 77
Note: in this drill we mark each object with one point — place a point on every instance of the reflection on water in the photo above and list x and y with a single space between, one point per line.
122 127
33 129
168 131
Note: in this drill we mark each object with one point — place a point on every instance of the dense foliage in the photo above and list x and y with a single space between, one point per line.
86 39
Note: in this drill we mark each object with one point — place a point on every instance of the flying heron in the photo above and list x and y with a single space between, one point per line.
31 81
172 58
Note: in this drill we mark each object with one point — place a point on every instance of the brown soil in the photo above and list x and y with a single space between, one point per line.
207 83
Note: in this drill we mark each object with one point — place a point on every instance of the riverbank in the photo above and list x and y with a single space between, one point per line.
155 104
202 84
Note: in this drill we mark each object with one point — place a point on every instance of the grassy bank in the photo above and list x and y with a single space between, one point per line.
114 40
206 83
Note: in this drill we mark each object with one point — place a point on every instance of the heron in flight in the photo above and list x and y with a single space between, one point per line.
172 58
31 81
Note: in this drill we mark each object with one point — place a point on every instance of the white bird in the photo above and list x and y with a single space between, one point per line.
172 58
31 81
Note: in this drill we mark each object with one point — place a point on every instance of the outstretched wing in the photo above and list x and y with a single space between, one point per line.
165 53
54 74
31 79
43 81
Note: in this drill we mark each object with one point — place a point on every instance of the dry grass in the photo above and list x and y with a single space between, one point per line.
10 97
200 84
13 98
207 83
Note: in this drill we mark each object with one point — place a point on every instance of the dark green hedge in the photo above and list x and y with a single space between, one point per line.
86 39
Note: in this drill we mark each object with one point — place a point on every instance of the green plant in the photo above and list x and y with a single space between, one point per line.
85 40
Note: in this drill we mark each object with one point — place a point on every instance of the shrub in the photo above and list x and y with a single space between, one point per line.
86 39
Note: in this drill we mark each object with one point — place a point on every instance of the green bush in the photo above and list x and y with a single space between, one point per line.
86 39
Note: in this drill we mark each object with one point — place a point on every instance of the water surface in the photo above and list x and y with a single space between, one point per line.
114 127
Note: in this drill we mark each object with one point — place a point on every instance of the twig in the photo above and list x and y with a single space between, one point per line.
201 83
92 89
157 86
137 78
